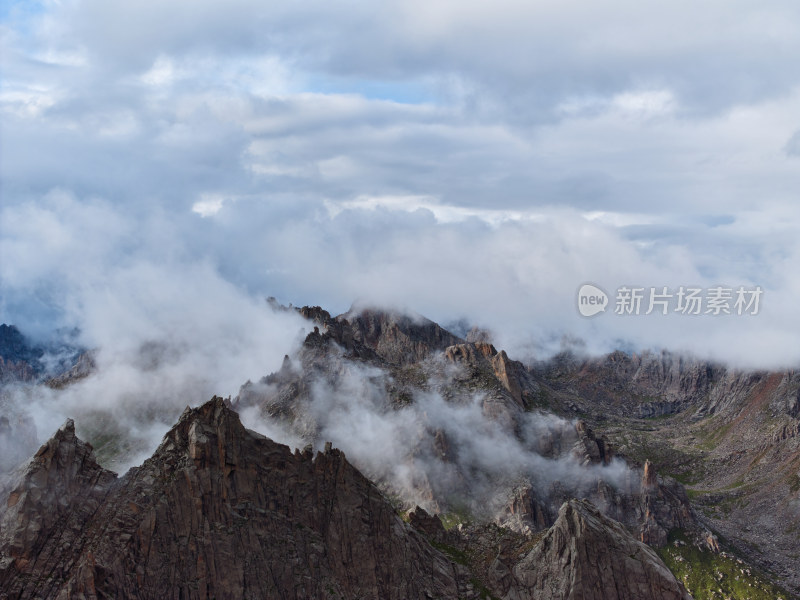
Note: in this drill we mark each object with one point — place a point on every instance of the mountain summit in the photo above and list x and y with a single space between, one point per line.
217 512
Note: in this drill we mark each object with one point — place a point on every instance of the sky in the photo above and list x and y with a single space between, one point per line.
165 166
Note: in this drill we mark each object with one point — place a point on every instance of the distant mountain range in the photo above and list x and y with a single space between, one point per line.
622 476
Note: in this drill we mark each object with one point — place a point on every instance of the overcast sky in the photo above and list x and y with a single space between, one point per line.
460 159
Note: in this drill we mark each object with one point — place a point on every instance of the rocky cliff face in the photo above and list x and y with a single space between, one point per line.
641 385
19 359
459 372
46 508
650 506
398 338
731 435
387 337
588 556
482 358
217 512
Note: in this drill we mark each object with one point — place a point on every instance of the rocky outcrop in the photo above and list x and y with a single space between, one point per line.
648 505
83 367
45 509
337 330
398 338
589 448
512 375
426 523
470 353
525 512
653 508
217 511
588 556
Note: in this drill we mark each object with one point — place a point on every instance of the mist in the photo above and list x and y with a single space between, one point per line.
382 158
125 276
161 336
466 452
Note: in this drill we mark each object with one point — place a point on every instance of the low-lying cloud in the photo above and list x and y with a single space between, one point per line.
165 331
126 277
438 453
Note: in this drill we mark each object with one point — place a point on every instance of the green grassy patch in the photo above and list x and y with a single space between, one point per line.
455 517
711 437
661 417
460 557
483 592
710 576
688 478
538 399
453 553
721 502
794 483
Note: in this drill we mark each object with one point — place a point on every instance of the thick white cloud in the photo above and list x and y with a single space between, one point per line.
458 159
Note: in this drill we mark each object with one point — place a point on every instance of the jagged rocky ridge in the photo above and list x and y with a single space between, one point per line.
731 436
219 511
585 546
408 358
734 436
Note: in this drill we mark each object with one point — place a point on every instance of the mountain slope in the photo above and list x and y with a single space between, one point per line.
451 460
217 512
731 436
588 556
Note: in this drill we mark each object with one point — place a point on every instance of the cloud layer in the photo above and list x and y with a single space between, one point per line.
170 164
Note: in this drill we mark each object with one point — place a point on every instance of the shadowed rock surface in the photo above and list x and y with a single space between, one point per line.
19 359
732 437
508 392
45 510
588 556
398 338
218 512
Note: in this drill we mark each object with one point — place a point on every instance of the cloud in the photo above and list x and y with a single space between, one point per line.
166 329
714 56
433 452
792 147
241 147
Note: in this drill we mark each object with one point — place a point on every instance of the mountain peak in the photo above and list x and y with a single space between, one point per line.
56 492
588 555
215 508
399 338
